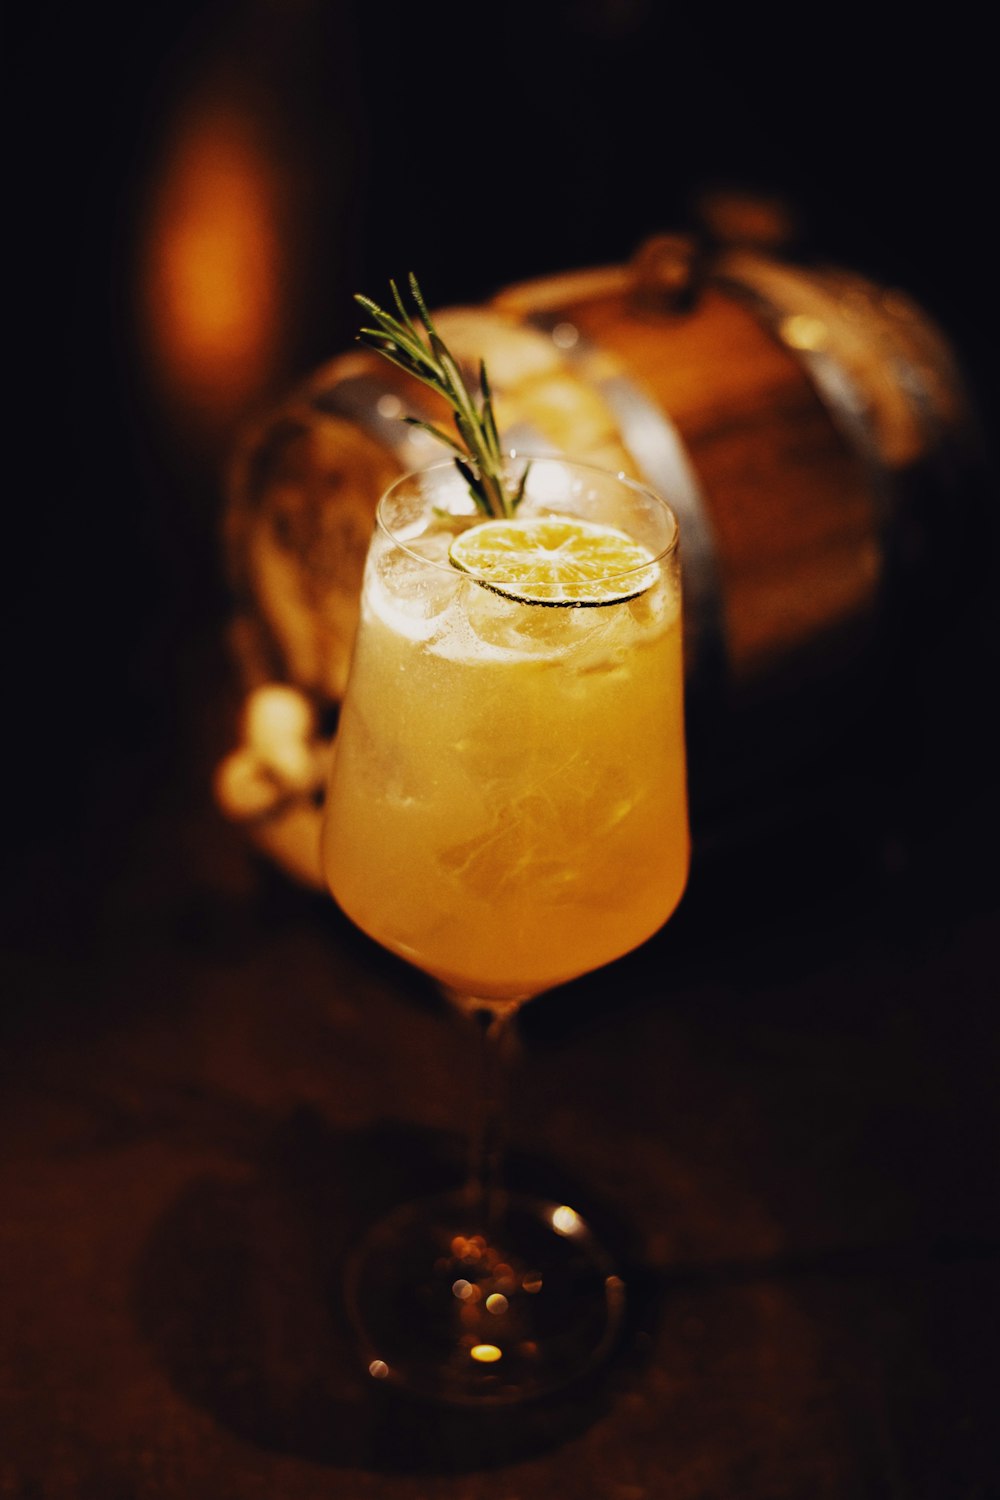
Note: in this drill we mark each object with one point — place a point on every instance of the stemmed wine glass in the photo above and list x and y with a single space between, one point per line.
507 811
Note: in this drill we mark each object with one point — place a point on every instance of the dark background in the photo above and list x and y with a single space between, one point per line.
835 992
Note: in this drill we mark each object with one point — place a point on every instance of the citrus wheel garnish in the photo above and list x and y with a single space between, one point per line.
555 560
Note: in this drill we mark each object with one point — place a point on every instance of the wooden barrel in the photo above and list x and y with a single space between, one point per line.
800 420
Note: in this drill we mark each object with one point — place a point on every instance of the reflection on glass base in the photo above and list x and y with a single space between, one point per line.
471 1316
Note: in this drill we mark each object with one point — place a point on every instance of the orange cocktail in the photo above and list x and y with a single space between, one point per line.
507 808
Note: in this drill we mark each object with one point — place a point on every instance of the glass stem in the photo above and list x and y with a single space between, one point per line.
488 1144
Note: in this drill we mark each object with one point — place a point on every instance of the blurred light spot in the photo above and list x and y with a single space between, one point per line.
532 1281
566 1220
389 406
463 1289
565 336
804 332
468 1249
212 267
503 1275
552 484
496 1304
378 1369
486 1354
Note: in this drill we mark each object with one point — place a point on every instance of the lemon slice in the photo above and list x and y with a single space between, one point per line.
555 560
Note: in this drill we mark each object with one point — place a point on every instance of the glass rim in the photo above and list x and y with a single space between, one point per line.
637 486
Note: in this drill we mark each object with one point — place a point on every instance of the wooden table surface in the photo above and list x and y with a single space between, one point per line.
783 1110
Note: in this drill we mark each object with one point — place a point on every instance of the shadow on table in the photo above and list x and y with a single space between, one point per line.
238 1290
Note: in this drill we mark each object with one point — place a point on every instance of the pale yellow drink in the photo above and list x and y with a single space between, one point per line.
507 808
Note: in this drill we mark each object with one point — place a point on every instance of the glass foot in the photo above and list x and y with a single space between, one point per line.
469 1316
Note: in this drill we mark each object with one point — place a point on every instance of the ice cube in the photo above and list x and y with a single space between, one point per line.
493 619
408 593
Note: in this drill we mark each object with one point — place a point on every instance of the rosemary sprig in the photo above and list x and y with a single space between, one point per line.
426 357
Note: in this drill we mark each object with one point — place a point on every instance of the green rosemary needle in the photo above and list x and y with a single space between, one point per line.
425 356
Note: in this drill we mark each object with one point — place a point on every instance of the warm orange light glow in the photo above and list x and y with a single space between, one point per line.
211 270
468 1249
486 1354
